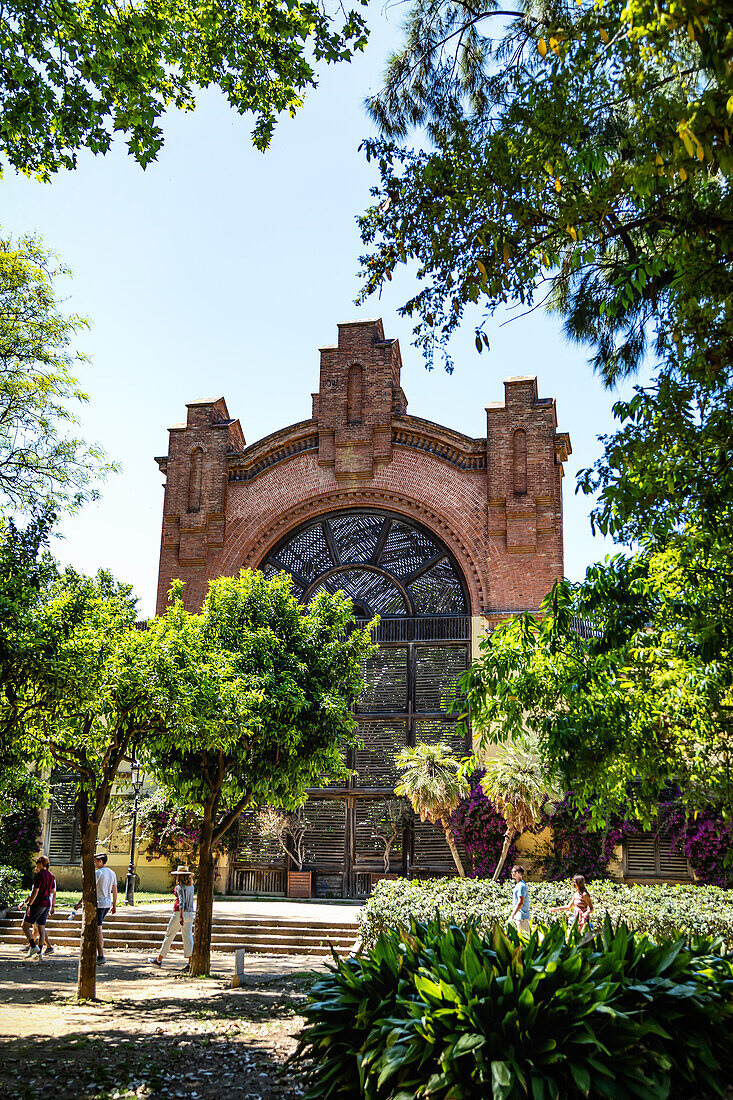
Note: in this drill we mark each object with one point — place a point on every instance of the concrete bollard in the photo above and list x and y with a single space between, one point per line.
238 976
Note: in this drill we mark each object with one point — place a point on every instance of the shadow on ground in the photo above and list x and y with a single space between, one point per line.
124 1063
150 1034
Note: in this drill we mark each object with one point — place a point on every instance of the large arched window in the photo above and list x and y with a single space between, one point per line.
388 565
392 567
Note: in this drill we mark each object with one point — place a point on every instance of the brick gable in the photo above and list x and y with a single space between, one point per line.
495 502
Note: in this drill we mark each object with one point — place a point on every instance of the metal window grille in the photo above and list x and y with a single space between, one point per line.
375 763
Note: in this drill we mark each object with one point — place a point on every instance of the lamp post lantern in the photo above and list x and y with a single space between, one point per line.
136 779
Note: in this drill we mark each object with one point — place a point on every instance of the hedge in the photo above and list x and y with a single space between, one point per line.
660 910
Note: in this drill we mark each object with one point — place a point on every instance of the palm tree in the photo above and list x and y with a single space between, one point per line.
432 783
520 786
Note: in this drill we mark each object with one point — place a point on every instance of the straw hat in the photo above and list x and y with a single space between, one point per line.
182 869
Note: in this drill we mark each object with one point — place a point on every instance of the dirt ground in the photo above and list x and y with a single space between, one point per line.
152 1033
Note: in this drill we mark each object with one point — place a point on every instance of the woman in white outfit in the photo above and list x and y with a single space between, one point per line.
181 917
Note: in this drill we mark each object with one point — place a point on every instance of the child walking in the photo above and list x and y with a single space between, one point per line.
181 917
580 905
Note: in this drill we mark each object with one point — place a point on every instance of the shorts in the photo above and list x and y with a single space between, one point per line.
522 923
101 914
37 914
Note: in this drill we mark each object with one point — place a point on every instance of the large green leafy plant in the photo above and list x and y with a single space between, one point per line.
77 687
579 155
521 787
443 1012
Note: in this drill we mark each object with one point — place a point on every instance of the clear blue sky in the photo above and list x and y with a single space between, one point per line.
221 271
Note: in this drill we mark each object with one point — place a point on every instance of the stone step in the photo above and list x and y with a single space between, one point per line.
255 935
112 926
155 922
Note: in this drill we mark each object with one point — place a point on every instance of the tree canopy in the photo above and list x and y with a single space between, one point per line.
77 72
579 154
79 686
42 462
628 712
259 693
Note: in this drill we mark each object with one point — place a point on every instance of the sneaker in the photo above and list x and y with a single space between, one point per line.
26 950
101 959
34 952
49 951
154 960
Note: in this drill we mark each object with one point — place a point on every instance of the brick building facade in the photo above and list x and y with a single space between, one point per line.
439 533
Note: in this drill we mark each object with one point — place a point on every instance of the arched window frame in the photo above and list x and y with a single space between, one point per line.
375 563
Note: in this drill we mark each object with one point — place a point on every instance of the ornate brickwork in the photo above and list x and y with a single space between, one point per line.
496 503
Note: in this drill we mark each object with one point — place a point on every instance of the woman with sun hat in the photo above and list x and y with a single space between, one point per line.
181 917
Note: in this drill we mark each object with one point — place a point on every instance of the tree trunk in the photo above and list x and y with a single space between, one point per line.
201 958
508 838
86 987
453 849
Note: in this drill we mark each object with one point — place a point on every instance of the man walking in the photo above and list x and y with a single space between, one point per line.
106 897
520 899
38 906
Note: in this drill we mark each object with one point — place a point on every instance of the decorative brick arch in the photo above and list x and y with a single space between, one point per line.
507 543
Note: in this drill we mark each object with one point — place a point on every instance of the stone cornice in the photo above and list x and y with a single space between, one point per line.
277 447
425 435
453 447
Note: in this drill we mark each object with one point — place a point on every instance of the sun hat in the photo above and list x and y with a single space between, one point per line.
182 869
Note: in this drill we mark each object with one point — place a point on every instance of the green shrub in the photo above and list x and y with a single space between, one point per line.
446 1013
660 910
11 887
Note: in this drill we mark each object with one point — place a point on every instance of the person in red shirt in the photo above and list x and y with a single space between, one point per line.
38 905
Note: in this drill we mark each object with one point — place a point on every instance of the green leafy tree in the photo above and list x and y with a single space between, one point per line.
41 460
631 709
434 785
78 685
76 73
519 784
580 151
579 155
259 701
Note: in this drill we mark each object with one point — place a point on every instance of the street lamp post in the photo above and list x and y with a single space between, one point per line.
137 779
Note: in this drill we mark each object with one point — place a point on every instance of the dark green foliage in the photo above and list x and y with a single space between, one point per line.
11 887
19 840
443 1012
75 73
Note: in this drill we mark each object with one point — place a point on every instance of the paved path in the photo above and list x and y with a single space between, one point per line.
128 975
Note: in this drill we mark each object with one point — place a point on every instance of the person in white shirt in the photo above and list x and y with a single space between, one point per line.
106 897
